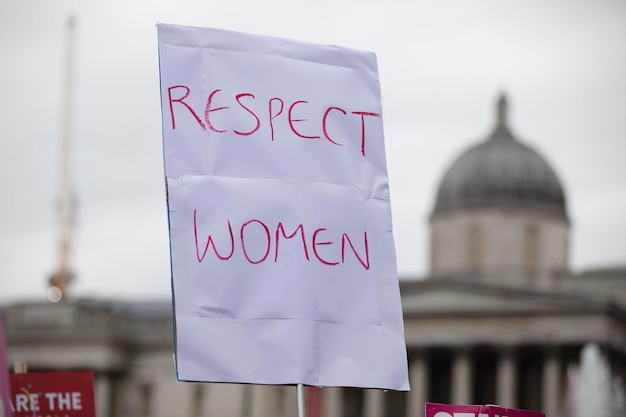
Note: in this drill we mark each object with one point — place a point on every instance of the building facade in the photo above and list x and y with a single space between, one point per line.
500 318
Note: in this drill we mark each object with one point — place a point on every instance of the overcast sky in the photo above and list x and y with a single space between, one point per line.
442 65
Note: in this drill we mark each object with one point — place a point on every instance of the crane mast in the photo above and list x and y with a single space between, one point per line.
66 202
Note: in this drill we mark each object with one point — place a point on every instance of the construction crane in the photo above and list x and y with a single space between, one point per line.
66 201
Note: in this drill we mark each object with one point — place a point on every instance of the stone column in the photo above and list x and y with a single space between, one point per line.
418 378
551 372
103 394
332 402
461 377
374 403
506 378
263 400
246 400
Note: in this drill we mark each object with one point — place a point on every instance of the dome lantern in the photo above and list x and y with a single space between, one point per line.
502 126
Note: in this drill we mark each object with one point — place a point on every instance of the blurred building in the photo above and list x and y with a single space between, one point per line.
500 318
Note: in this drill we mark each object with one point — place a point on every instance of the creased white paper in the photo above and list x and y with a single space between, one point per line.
283 260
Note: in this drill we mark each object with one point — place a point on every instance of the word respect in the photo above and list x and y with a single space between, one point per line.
324 127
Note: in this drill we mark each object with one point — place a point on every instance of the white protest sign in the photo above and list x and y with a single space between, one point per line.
283 259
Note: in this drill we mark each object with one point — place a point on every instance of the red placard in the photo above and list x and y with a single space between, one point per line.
446 410
53 394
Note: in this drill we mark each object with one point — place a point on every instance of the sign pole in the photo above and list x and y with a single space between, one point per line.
301 412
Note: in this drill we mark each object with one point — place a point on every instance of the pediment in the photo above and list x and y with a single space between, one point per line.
443 296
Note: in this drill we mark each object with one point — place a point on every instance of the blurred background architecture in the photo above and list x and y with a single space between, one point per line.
499 319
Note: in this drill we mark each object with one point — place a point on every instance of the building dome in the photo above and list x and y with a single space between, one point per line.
501 171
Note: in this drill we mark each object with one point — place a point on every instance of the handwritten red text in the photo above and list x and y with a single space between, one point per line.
328 248
300 121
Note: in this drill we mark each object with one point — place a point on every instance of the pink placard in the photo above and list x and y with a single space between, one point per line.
446 410
5 409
